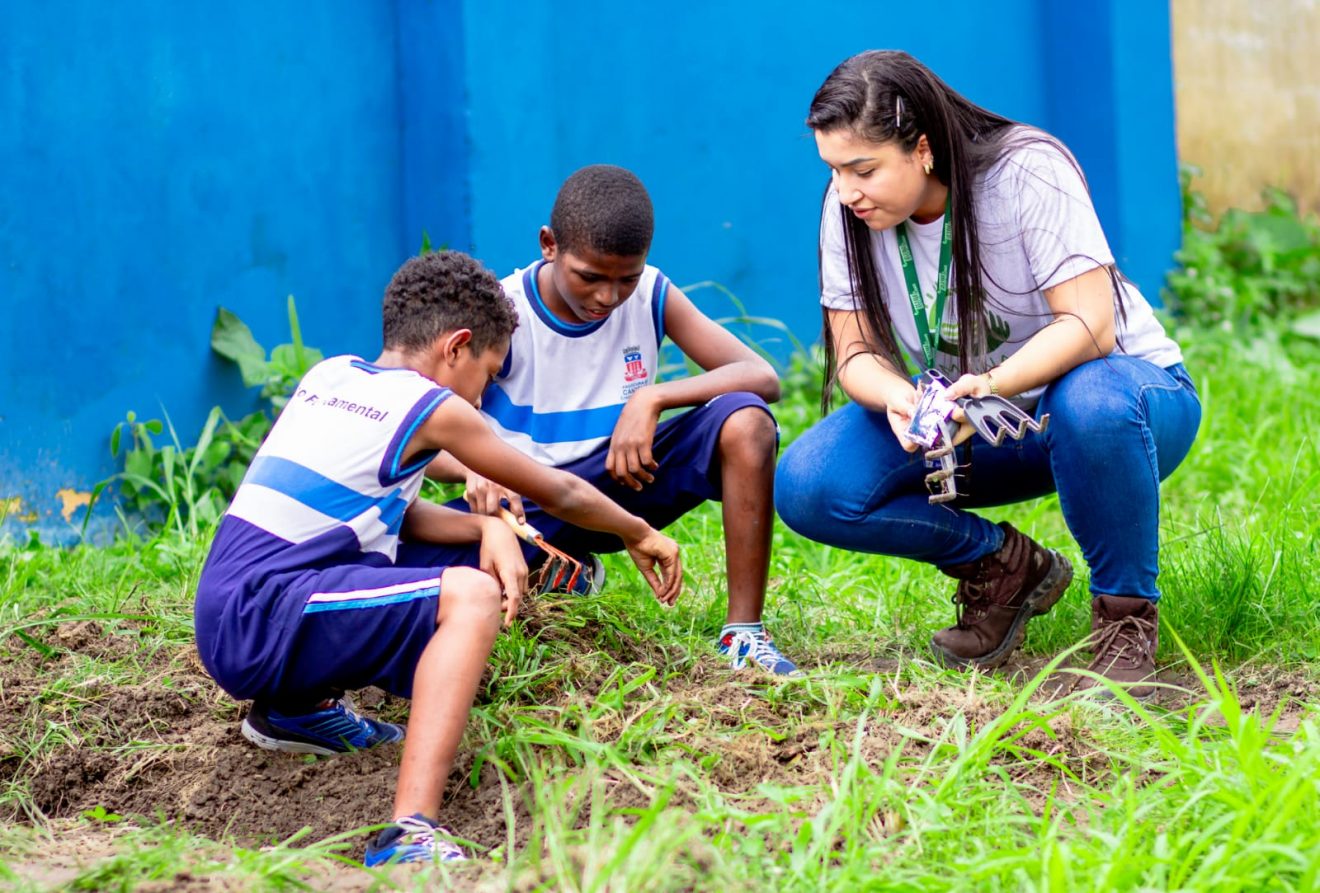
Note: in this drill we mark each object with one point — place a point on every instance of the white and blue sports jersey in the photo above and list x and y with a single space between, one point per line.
563 385
330 478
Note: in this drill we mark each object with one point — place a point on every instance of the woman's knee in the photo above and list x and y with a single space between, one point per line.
802 488
1092 398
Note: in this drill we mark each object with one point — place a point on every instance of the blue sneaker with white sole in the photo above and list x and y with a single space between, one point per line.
332 730
413 839
747 647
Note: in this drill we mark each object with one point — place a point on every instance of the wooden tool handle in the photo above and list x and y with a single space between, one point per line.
526 532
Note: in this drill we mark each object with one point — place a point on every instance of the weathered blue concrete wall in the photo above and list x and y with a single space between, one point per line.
158 160
705 102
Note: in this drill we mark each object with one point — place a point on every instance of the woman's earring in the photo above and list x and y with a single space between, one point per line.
929 167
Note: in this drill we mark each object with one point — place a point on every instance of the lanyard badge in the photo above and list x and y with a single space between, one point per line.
928 330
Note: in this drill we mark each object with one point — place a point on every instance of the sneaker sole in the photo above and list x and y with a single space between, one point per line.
1046 594
267 743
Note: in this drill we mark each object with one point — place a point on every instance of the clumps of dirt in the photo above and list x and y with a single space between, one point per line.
165 743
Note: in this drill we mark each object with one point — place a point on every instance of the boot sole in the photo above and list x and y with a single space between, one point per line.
1039 602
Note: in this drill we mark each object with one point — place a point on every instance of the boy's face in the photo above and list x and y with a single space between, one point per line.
470 372
587 286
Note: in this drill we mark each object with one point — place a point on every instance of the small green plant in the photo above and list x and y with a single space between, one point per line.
276 375
1248 269
171 486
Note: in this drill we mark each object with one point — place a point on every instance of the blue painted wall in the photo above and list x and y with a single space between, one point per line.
706 104
158 160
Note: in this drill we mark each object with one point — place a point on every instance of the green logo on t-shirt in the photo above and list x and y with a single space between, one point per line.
997 332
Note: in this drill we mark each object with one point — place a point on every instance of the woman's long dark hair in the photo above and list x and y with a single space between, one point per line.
888 96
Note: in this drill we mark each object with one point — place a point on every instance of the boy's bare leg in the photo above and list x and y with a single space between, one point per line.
747 476
444 685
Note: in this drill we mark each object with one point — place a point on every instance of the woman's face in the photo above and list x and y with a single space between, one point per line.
879 182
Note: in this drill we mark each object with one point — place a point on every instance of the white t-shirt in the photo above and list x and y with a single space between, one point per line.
1037 228
564 385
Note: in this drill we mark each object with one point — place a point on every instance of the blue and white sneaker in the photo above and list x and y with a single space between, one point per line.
333 730
413 839
554 577
756 648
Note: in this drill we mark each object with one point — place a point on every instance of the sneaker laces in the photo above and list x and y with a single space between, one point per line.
422 833
1127 638
760 648
350 710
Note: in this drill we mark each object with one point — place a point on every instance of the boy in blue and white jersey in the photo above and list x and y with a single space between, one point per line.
327 574
579 392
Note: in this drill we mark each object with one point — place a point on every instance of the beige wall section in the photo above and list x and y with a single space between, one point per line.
1247 86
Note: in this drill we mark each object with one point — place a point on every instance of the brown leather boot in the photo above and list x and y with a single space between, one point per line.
996 597
1124 635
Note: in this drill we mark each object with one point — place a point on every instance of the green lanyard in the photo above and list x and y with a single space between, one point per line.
928 331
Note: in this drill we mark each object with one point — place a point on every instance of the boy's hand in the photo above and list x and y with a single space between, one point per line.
483 497
502 558
629 461
656 548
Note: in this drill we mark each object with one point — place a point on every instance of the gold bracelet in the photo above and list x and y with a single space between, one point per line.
994 388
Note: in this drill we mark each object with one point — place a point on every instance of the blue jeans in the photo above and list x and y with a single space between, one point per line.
1118 426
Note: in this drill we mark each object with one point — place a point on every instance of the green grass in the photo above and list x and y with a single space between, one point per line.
627 758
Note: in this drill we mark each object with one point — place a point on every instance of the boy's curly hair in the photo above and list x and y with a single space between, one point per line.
604 208
440 292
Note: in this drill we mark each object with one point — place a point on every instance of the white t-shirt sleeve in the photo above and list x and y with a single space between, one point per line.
836 287
1061 233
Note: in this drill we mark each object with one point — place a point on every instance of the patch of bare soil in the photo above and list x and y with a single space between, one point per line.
168 745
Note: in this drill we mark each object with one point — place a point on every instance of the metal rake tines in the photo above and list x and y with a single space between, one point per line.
994 418
559 572
942 483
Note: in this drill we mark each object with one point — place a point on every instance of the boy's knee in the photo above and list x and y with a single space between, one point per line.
749 431
469 593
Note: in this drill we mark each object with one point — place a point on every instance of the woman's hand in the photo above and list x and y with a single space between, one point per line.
967 386
502 558
900 404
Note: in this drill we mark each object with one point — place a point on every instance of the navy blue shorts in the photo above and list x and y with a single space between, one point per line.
359 625
685 447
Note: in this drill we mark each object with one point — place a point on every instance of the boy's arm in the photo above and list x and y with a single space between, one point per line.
501 556
729 364
485 497
446 469
457 427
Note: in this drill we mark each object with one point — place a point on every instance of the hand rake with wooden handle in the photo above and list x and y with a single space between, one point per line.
560 571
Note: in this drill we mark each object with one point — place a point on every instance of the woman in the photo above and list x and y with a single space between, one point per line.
970 241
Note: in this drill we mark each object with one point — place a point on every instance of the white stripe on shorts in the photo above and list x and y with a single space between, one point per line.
382 592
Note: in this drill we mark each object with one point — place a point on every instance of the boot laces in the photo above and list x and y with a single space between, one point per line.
970 603
1121 644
